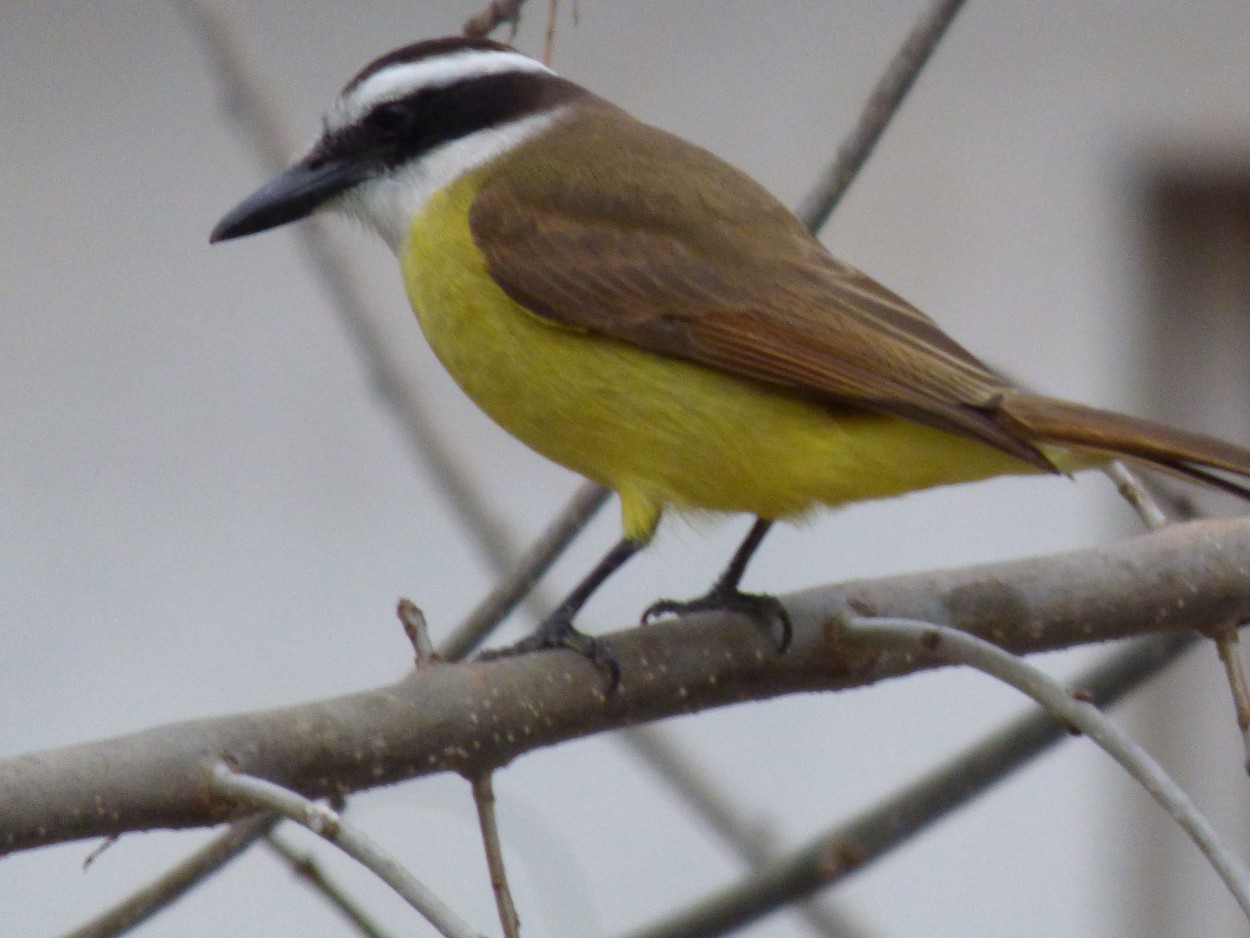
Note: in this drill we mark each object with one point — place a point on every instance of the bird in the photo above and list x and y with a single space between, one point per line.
636 309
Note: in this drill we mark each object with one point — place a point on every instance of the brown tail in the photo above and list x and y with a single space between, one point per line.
1192 455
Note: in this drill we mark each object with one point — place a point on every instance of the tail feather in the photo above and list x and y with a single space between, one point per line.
1195 456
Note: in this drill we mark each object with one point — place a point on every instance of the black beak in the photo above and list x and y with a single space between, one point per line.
291 195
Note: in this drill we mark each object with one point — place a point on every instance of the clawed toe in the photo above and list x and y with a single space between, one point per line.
666 607
764 609
558 632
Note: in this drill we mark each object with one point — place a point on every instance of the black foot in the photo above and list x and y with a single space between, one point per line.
557 631
764 609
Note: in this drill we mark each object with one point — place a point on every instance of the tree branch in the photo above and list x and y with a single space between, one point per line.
254 116
174 883
484 799
497 13
880 108
309 871
330 826
468 718
950 646
835 854
751 841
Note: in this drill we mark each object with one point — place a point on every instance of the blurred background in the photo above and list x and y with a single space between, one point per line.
204 508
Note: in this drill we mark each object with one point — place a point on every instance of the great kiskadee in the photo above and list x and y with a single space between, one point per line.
636 309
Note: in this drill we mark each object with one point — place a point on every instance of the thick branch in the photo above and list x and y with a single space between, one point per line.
470 717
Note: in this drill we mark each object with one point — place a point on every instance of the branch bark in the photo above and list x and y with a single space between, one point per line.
469 718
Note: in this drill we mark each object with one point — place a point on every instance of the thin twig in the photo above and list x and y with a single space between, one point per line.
253 114
307 869
413 620
549 44
391 381
712 803
933 797
834 855
695 786
104 845
519 5
256 119
1134 490
497 12
1228 645
484 798
952 646
882 104
173 884
700 791
521 577
330 826
489 535
1227 641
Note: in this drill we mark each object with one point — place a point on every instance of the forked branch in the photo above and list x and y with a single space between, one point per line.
471 717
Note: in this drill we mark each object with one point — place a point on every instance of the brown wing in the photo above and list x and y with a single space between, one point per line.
635 234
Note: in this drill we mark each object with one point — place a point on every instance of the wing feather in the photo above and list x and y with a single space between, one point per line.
663 245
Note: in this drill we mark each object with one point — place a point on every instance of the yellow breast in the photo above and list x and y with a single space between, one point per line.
658 430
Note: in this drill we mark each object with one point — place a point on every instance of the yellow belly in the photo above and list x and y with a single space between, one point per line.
658 430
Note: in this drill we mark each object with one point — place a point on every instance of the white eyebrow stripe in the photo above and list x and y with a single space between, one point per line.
397 81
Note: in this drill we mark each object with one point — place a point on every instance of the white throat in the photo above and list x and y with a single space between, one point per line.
390 203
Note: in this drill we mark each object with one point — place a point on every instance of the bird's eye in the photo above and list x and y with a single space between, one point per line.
389 118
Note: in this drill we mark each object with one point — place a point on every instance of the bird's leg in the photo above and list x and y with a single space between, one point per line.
725 594
557 631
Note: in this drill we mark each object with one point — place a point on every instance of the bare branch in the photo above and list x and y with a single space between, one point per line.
1227 641
472 717
254 117
263 130
484 798
497 12
306 868
882 105
519 581
163 892
1133 489
330 826
751 842
549 41
833 856
257 121
1228 645
518 5
413 620
951 646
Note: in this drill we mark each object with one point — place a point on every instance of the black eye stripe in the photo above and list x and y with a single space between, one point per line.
394 132
389 116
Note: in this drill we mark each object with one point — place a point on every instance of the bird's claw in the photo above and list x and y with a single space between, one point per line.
764 609
556 632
